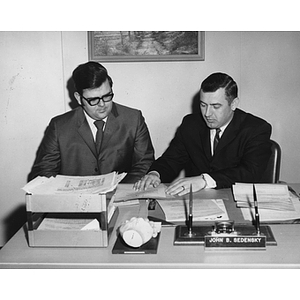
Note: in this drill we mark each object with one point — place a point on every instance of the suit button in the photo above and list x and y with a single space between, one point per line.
96 170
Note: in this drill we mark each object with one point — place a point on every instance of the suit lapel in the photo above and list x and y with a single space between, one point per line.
230 132
204 137
112 125
85 131
206 142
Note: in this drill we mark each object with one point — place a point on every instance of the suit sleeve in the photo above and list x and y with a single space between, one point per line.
173 159
47 162
252 161
143 152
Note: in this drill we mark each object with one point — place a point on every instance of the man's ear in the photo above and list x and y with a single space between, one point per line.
234 104
78 98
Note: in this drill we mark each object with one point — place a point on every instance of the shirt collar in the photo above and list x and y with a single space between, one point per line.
91 120
222 128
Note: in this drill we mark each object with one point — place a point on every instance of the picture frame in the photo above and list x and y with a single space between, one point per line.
138 46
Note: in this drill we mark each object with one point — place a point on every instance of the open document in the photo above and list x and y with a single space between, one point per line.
74 184
275 202
174 207
203 209
125 192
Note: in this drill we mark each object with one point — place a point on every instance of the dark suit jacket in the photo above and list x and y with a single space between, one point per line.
68 147
241 155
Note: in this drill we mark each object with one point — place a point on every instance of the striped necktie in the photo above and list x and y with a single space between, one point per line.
217 139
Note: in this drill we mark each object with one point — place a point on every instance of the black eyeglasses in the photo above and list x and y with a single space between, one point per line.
96 100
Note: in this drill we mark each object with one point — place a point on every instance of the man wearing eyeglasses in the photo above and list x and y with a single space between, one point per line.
76 145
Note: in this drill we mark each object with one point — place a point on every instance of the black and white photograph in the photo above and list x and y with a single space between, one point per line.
149 164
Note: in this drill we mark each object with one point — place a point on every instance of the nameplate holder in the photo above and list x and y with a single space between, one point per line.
238 242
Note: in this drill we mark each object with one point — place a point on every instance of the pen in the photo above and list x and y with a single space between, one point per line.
190 225
256 211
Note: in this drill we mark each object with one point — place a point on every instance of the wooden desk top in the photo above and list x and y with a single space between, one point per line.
17 254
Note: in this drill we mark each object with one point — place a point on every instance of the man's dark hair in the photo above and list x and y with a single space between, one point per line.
90 75
220 80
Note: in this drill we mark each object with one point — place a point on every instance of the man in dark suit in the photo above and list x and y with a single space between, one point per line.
216 148
73 145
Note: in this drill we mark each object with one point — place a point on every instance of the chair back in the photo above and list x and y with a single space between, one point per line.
272 173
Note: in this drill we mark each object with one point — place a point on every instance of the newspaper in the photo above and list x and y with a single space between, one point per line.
62 184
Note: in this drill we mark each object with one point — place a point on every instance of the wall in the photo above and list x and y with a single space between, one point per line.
165 91
36 68
31 90
270 75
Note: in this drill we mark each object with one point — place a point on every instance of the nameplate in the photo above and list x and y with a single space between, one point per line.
237 242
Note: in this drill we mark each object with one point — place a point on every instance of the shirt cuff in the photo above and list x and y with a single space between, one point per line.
154 173
210 182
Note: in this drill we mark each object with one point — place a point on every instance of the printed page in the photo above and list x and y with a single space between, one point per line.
75 184
264 192
273 215
126 192
269 196
203 210
69 224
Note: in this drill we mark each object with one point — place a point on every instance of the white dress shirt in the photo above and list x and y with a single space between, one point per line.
209 180
92 125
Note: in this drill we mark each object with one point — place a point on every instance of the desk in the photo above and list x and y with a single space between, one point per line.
17 254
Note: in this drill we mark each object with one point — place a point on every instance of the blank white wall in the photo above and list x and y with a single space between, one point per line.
270 73
31 91
35 68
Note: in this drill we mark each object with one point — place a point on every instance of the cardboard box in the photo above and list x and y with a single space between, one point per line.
64 206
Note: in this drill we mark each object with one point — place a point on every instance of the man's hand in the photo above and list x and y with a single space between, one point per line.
151 179
182 186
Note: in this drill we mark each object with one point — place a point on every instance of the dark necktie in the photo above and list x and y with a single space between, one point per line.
217 139
99 124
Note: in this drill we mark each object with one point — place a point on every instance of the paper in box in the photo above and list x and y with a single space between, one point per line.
79 206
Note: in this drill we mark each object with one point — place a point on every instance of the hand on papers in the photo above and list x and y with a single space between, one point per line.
181 186
151 179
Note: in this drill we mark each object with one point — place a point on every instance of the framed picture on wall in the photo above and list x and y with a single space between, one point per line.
124 46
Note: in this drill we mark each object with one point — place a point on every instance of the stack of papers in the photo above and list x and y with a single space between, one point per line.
269 196
62 185
69 224
275 202
74 184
